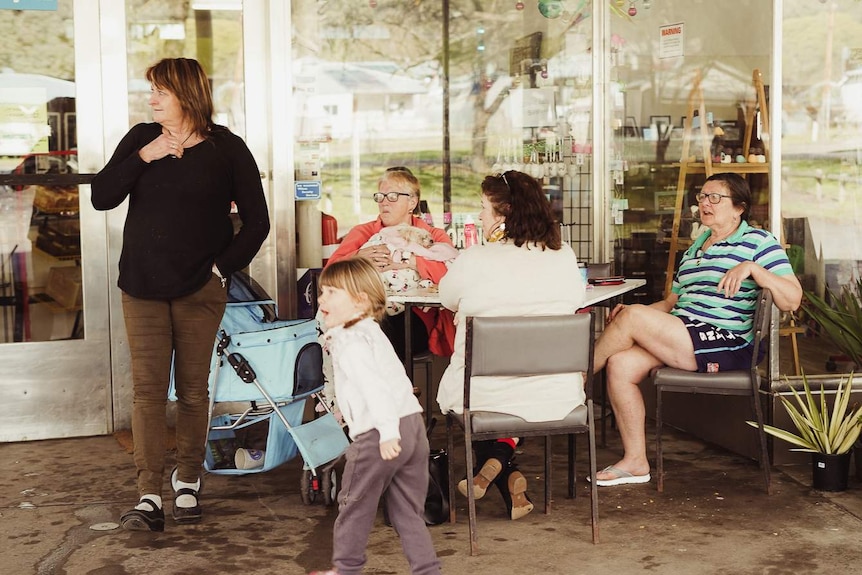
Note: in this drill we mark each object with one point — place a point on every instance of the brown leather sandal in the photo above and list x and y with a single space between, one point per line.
483 479
521 504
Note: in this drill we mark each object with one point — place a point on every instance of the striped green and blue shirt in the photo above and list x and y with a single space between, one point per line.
699 272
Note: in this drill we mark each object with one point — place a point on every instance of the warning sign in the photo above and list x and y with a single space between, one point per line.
671 40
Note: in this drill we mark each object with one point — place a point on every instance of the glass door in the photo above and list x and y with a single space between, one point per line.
217 33
62 337
54 343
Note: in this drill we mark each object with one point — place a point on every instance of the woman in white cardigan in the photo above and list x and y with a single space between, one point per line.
522 269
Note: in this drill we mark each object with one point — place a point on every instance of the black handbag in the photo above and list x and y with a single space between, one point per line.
437 499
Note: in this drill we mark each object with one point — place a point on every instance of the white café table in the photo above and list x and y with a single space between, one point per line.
431 298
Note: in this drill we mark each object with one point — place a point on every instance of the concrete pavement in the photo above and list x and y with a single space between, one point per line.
713 518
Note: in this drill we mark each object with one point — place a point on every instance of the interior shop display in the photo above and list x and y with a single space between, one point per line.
59 237
552 147
56 199
65 288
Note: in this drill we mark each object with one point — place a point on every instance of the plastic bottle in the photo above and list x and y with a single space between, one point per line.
471 236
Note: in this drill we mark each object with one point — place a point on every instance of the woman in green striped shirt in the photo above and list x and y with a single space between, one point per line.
704 324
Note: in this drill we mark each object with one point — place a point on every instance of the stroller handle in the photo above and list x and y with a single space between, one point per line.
242 367
223 342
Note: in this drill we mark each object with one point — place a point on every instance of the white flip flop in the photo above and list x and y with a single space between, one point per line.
620 477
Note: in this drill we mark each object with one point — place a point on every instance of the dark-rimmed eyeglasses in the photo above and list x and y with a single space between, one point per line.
713 198
391 196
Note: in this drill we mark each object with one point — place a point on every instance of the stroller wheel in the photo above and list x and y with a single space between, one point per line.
307 487
174 480
329 486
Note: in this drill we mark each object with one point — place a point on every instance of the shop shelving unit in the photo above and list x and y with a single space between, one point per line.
689 164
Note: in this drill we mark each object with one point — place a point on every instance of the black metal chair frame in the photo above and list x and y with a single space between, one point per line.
527 346
596 270
739 382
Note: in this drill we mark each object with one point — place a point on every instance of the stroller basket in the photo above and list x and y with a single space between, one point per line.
273 365
319 441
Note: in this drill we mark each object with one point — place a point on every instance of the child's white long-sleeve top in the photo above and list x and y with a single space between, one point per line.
371 386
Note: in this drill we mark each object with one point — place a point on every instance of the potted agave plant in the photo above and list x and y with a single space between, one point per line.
841 320
827 434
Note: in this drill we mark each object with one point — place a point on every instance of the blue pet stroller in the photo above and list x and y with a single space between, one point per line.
277 365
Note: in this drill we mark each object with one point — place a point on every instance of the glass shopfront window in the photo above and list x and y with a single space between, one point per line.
821 117
41 289
677 105
454 90
683 103
210 32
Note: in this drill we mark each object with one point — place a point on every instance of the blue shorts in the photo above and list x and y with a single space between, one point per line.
717 349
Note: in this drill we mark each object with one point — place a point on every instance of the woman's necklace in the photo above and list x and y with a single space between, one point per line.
713 239
183 143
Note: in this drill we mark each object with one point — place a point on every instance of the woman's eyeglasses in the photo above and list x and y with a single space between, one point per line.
713 198
391 196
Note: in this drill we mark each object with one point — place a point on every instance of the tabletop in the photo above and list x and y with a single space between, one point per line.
594 294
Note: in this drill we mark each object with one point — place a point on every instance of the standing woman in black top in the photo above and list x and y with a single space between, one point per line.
181 173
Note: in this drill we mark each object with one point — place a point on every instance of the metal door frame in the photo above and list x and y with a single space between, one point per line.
84 387
266 61
63 388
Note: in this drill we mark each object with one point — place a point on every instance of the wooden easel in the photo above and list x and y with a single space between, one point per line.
688 165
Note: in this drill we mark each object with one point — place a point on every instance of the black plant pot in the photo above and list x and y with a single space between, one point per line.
829 471
857 457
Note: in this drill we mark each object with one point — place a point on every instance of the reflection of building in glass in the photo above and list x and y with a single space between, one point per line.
335 99
851 96
32 109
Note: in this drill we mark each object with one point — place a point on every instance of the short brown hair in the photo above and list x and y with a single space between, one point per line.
357 276
185 79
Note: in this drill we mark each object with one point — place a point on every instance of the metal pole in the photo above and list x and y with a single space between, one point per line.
447 160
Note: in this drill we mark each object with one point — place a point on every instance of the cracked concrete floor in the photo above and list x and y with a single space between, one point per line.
713 518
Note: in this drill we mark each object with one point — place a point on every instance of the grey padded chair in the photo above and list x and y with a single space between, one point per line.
527 346
740 382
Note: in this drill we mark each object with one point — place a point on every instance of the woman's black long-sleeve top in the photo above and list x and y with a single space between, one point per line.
178 223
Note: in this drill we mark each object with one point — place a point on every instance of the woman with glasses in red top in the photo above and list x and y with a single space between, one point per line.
397 199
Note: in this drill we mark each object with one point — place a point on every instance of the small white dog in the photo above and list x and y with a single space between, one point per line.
404 241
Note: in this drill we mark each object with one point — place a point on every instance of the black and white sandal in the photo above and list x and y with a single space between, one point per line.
140 520
185 515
